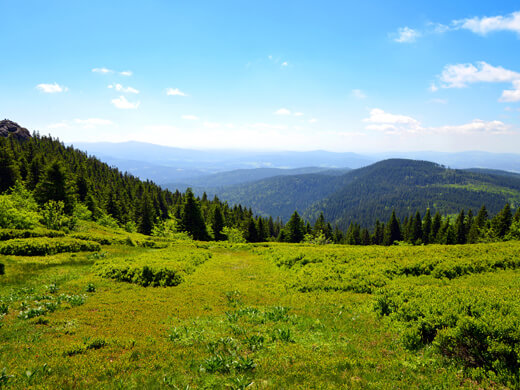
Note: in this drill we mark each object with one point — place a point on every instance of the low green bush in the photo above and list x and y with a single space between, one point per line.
9 234
46 246
144 276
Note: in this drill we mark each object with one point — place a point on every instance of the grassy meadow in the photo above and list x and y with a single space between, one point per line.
111 309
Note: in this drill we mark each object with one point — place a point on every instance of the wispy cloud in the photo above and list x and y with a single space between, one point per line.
175 92
439 101
282 111
460 75
313 120
122 103
485 25
190 117
285 63
102 70
433 87
397 124
406 35
298 114
126 73
120 88
212 125
359 94
51 88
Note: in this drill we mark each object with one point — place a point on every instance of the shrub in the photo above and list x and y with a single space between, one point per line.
46 246
144 275
54 217
107 221
12 216
9 234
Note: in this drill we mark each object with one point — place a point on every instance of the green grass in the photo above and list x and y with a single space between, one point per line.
275 316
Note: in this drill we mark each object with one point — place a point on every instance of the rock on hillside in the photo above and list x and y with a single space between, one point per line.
12 129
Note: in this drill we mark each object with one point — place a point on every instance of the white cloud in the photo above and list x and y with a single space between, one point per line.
60 125
190 117
401 124
485 25
477 126
512 95
285 63
51 88
460 75
313 120
359 94
175 92
102 70
120 88
108 71
282 111
433 87
298 114
122 103
379 116
406 35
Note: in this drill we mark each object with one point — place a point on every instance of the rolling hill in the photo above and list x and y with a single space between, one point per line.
366 194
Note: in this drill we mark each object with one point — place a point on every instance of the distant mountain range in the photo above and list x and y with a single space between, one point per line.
366 194
347 187
185 167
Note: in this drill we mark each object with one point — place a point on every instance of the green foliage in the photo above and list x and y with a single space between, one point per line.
108 221
45 246
8 234
192 220
55 185
165 268
234 235
12 216
54 217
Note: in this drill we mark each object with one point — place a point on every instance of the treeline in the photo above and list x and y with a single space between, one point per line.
413 229
54 185
44 181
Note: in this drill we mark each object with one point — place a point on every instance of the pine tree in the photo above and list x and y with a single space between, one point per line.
192 221
427 227
482 217
460 229
9 172
251 233
146 214
55 185
436 227
416 234
502 222
294 228
217 223
392 231
516 218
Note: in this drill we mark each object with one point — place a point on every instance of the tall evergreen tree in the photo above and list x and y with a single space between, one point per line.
217 223
502 221
294 228
9 172
192 221
460 229
146 214
482 217
55 185
417 233
436 227
427 227
392 231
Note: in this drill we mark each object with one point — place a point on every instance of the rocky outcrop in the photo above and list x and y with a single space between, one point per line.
12 129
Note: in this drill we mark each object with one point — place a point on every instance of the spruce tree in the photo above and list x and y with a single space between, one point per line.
482 217
55 185
294 228
460 229
427 227
9 172
192 221
146 214
392 231
217 223
502 222
436 227
416 234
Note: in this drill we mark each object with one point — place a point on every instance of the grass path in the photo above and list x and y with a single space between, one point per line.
236 307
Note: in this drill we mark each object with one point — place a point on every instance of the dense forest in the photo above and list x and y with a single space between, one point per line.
44 181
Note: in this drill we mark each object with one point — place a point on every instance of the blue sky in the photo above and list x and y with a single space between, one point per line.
282 75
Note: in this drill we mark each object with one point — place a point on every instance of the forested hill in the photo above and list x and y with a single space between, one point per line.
54 172
366 194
